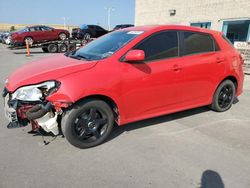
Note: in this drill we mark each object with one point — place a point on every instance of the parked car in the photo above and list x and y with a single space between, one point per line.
88 31
122 77
39 33
4 37
1 37
122 26
7 40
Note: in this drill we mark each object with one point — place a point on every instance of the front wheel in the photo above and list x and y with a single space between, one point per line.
62 36
224 96
88 124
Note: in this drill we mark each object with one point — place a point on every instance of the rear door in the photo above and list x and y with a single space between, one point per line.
35 33
203 64
154 86
48 33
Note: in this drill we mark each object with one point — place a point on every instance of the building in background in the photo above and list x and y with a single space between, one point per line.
232 17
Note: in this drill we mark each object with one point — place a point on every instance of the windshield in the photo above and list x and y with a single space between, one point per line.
105 46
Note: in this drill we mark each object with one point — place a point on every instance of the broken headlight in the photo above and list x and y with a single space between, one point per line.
36 92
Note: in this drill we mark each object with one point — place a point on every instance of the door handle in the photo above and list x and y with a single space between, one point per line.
177 68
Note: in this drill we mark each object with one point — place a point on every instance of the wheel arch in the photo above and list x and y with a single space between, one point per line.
233 79
112 104
28 36
230 77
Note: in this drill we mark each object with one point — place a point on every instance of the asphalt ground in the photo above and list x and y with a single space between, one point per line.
190 149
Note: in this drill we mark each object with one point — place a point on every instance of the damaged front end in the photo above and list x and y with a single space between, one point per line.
28 104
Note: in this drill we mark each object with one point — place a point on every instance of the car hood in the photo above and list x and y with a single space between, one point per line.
50 68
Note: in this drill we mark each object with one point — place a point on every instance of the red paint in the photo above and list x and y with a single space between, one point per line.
135 55
140 90
38 35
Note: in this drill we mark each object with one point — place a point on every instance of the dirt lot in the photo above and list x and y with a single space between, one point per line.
194 148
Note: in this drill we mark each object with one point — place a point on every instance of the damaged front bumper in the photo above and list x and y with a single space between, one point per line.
38 114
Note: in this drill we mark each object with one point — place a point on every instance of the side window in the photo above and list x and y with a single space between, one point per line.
195 43
37 28
45 28
160 46
32 29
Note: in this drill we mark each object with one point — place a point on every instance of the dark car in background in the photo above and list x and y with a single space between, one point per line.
122 26
88 31
38 33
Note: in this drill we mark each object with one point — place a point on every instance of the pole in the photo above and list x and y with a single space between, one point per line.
109 9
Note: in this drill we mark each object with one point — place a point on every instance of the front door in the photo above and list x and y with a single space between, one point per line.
154 86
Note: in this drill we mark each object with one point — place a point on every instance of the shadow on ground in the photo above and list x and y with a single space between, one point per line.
211 179
153 121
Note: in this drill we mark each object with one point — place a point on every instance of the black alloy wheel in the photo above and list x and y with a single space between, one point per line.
88 123
224 96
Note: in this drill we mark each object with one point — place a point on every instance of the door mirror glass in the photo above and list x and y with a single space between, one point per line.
135 56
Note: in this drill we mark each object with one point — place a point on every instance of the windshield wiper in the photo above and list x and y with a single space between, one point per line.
78 56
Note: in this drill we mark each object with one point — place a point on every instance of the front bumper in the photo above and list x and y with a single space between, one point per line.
21 113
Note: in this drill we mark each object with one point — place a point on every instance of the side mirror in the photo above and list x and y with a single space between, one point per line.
135 56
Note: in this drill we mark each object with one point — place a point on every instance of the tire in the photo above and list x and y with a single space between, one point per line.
29 39
86 36
224 96
71 47
88 123
45 49
63 48
52 48
62 36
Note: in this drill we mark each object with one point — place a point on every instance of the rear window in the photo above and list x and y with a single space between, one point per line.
195 43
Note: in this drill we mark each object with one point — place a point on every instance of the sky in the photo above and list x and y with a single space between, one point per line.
76 12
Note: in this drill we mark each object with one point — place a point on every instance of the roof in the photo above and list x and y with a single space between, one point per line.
171 27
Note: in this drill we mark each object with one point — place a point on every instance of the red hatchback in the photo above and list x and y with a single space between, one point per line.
38 33
124 76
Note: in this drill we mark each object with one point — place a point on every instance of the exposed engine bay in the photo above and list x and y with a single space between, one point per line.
37 111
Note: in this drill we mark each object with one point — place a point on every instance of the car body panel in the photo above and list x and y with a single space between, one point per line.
37 34
139 90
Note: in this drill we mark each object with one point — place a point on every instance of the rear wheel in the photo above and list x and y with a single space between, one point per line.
88 123
224 96
63 48
71 47
52 48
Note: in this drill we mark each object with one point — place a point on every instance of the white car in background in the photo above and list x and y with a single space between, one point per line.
8 40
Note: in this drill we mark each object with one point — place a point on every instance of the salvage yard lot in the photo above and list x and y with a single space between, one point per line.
185 149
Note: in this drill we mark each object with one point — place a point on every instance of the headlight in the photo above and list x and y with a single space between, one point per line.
36 92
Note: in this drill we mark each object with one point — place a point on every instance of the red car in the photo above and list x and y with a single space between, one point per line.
122 77
38 33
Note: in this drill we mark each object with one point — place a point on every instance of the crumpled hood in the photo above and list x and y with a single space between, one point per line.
50 68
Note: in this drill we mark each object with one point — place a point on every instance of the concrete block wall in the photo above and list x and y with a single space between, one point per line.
151 12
